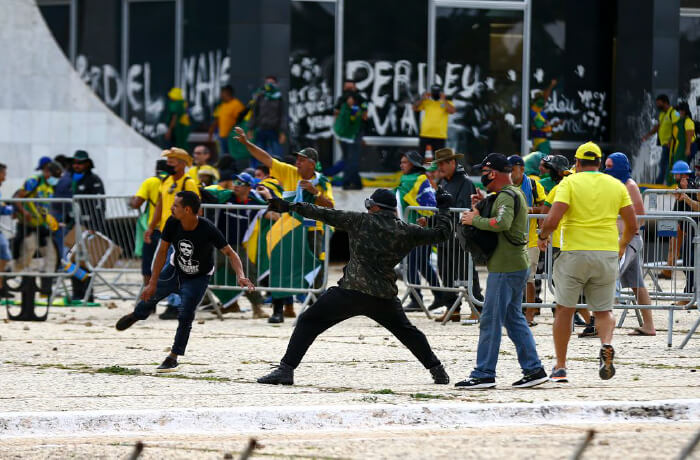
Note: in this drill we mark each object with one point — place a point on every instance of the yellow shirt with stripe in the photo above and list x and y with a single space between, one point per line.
539 196
168 189
666 121
149 191
590 222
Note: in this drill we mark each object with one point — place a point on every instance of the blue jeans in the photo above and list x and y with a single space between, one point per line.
191 292
663 165
351 157
419 262
223 145
503 307
148 251
268 140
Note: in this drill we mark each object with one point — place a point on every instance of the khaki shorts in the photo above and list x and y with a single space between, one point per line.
593 272
534 255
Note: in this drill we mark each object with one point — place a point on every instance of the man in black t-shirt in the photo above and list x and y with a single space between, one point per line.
187 272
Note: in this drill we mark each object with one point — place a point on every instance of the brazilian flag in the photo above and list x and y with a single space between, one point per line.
291 261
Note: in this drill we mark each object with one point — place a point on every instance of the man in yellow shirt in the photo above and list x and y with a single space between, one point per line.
149 193
588 203
433 128
177 181
226 117
668 116
303 183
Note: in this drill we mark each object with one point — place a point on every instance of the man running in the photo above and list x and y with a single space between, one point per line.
378 241
188 271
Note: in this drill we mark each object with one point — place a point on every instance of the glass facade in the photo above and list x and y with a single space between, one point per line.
57 17
689 66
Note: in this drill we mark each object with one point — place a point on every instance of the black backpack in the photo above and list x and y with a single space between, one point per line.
481 243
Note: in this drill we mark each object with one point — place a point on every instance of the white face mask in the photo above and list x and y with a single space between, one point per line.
52 181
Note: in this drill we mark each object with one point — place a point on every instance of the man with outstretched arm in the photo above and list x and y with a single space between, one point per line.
378 241
188 271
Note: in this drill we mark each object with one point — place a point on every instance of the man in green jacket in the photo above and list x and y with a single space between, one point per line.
508 269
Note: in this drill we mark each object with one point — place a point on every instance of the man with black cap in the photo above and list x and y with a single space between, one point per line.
508 269
378 241
433 128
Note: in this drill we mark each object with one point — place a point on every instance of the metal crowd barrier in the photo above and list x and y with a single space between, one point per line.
284 255
92 243
656 230
663 199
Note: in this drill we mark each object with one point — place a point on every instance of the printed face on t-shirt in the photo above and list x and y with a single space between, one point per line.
184 259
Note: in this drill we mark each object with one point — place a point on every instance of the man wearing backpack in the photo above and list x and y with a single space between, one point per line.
508 270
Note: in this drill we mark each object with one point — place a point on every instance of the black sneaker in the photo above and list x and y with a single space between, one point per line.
169 313
476 383
532 380
439 374
169 365
276 318
578 321
606 370
125 322
282 375
589 332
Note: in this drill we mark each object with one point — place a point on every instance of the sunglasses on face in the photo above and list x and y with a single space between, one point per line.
240 183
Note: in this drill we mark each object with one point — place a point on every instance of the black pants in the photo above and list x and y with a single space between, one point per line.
433 142
337 305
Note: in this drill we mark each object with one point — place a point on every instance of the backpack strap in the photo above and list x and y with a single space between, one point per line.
516 209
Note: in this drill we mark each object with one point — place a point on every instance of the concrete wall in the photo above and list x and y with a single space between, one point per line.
45 109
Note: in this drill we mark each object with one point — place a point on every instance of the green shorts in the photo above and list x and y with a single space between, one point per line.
592 272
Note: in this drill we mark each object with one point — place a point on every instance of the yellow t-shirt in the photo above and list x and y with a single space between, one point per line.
539 196
150 191
590 222
193 172
227 113
666 121
169 189
435 119
288 176
689 125
556 234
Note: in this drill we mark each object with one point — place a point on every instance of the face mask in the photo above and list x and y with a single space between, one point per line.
52 181
78 176
486 180
539 102
169 170
435 95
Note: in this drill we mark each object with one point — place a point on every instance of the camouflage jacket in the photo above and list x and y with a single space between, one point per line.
378 242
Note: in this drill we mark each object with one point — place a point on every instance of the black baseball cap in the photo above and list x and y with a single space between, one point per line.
516 160
495 161
309 153
383 198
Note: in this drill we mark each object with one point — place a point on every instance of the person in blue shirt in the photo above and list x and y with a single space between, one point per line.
5 255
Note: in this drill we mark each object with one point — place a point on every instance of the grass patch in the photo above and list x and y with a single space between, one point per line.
426 396
384 391
118 370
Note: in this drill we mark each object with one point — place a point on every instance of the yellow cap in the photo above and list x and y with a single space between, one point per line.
210 170
177 153
589 151
175 94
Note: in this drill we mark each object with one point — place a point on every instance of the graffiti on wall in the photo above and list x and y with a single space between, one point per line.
202 76
310 107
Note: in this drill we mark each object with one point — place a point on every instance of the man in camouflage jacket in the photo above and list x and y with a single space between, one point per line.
378 241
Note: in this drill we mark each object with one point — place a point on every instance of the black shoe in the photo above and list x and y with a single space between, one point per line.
169 365
607 370
169 313
589 331
442 300
475 383
276 318
125 322
282 375
536 378
412 306
578 321
439 374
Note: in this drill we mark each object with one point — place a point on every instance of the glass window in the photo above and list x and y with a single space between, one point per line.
312 73
206 61
151 66
478 62
689 68
385 51
98 59
573 43
57 17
